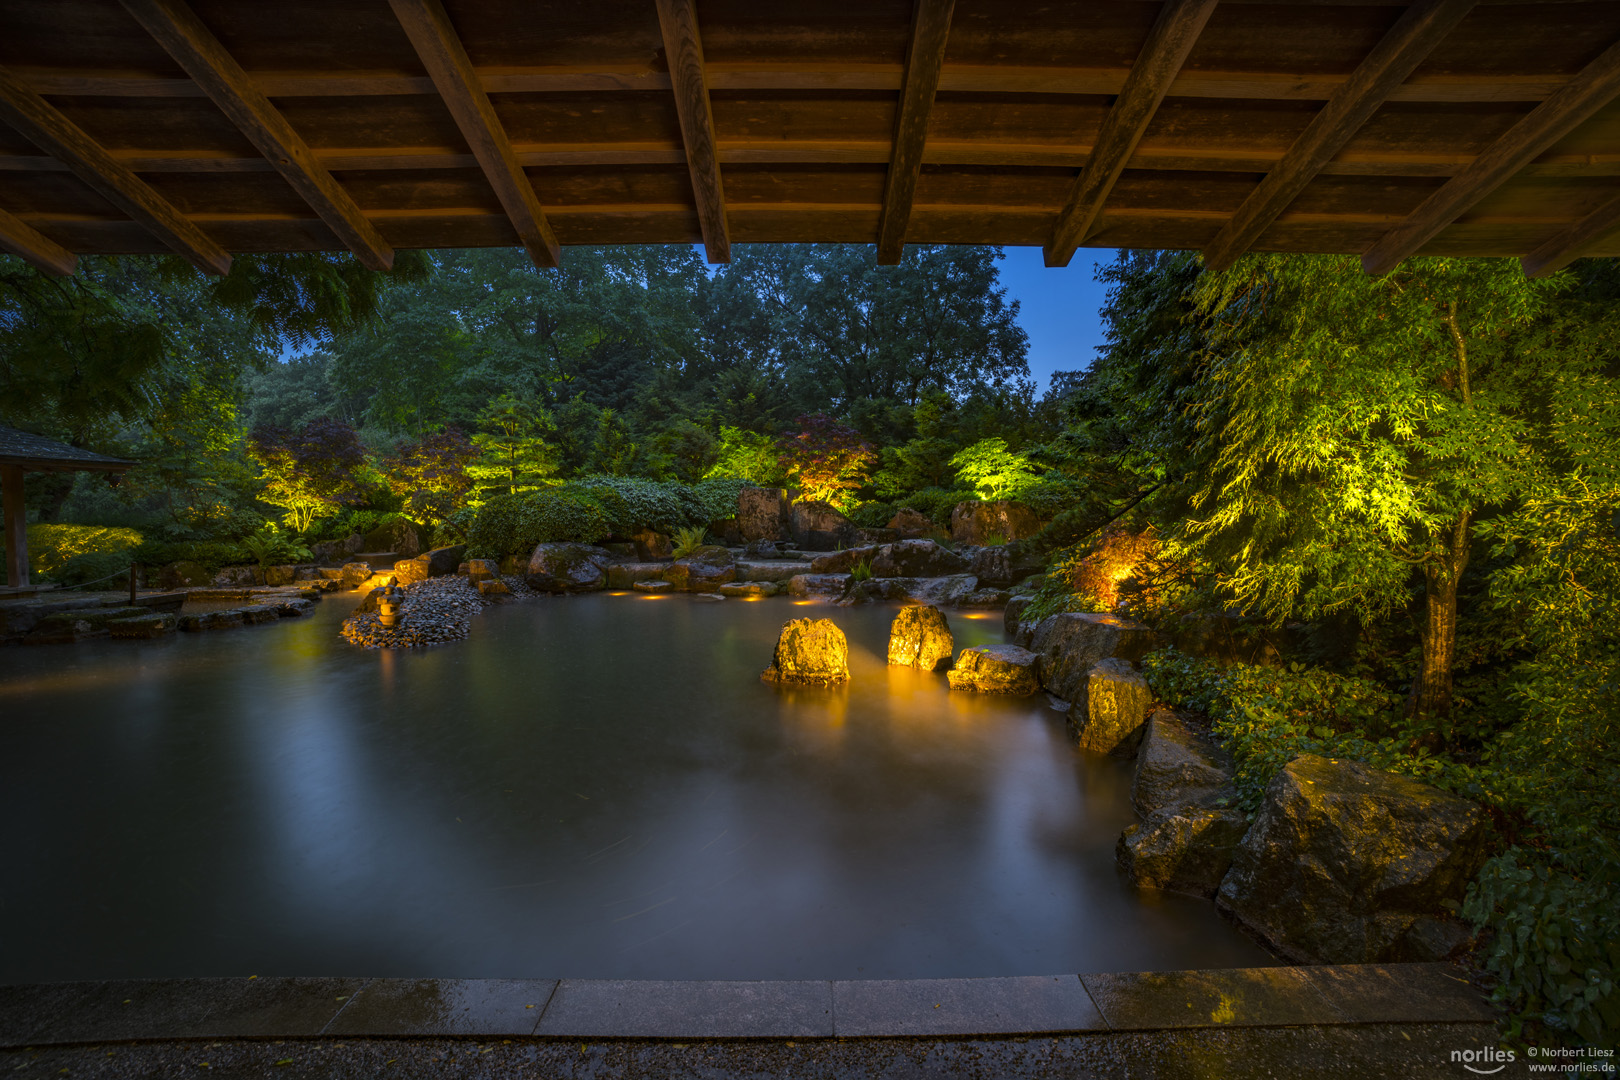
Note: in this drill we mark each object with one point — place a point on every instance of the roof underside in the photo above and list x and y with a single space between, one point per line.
37 453
362 125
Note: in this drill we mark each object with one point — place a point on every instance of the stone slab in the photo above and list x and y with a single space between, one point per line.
445 1007
1234 997
27 1012
196 1008
609 1008
1400 993
1009 1006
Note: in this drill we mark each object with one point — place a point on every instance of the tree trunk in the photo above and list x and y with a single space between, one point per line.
1431 690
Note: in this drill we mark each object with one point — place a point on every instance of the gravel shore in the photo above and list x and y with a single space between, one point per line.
433 611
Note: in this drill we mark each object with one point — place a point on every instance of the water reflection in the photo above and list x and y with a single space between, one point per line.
593 786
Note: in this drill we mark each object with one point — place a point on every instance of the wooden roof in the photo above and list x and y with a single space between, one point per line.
39 454
1360 126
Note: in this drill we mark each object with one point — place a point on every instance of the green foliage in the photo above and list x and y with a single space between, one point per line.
310 473
994 471
453 529
430 474
104 569
827 461
211 555
272 547
936 504
1049 497
718 496
872 515
747 455
638 504
688 540
51 546
513 454
861 571
514 524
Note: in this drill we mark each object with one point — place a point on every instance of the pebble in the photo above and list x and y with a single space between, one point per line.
432 612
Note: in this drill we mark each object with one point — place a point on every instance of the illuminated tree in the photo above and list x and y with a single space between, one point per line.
309 473
992 469
746 455
825 460
431 475
513 454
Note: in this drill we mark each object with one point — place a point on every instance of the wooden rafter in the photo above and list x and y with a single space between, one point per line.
930 27
1391 61
33 246
442 53
1171 39
683 49
194 47
1597 84
1573 241
64 140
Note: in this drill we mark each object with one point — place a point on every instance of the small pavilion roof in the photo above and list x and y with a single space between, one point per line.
39 454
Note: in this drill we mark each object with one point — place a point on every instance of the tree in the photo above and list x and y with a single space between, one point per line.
1356 429
995 471
748 455
513 454
309 473
431 475
825 460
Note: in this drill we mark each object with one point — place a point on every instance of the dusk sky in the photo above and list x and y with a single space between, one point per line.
1058 308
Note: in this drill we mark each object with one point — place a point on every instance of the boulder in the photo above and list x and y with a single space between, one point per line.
1003 521
729 532
514 566
184 575
842 562
939 591
1114 712
996 669
760 589
1071 643
876 537
779 570
492 589
917 558
400 537
653 585
1430 939
1004 565
1343 860
1185 848
624 575
803 585
212 620
253 614
985 598
704 570
908 522
1011 615
762 549
920 637
243 576
651 544
445 560
567 568
369 603
1176 765
356 574
817 526
154 624
620 548
290 606
812 651
406 571
338 551
764 514
482 570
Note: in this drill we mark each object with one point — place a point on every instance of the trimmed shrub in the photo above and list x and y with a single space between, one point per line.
94 567
873 515
634 504
936 504
453 529
52 545
719 496
514 524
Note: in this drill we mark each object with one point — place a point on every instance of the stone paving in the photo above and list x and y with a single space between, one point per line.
1370 1020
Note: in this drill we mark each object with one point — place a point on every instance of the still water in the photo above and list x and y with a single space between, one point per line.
593 787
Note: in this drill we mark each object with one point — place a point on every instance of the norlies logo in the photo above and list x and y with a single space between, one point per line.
1485 1056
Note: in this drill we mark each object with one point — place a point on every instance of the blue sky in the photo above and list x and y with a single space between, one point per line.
1058 308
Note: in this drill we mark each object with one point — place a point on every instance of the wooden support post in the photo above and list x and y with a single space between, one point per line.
1594 87
930 26
1403 48
1571 242
45 126
1171 39
683 48
11 493
195 48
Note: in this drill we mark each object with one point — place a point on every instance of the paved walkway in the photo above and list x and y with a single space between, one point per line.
1362 1021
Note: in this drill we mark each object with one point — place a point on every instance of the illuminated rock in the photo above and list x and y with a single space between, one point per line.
920 637
704 570
1003 522
1071 644
749 588
567 568
811 651
492 589
1190 824
996 669
482 570
763 514
1113 714
817 526
653 585
652 544
1343 861
356 574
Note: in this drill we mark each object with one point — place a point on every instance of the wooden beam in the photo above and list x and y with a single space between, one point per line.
1392 60
1572 241
1596 85
441 52
47 128
194 47
39 250
1171 39
683 49
930 26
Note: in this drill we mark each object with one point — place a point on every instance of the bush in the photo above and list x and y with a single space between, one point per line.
1049 498
514 524
936 504
107 569
51 545
688 540
719 496
634 504
211 555
872 515
453 529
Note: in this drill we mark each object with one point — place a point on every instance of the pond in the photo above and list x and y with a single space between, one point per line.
596 787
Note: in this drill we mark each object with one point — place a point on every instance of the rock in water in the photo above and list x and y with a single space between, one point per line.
1190 825
801 585
1005 565
705 570
997 669
1343 860
1071 643
1116 708
564 568
920 637
810 651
